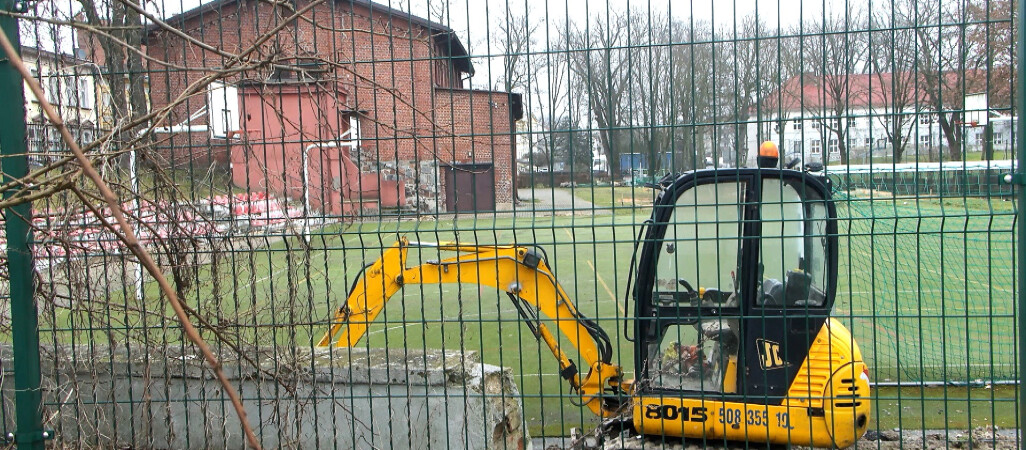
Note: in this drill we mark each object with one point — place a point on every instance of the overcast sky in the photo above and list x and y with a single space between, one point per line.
474 20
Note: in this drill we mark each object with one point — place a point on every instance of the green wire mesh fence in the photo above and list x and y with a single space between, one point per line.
600 164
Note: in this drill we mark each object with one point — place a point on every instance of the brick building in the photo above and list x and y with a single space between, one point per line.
401 107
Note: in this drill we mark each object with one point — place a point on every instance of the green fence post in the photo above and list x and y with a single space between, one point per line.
24 316
1020 138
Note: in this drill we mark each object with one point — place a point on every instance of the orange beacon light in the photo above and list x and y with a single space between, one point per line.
768 154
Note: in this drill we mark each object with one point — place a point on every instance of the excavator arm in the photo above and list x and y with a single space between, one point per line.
525 277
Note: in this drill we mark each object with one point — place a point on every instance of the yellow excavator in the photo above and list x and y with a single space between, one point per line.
750 355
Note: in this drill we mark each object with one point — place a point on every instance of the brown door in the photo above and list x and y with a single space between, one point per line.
470 187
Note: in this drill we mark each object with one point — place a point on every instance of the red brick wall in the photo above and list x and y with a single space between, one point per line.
387 65
465 112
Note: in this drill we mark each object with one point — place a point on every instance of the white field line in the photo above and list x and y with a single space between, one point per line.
468 316
605 286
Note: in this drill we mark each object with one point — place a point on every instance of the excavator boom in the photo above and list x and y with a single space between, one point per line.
525 277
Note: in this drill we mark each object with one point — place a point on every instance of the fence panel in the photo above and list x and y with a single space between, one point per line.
511 216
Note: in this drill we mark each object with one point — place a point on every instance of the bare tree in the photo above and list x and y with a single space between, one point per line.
515 37
750 67
693 90
117 37
893 89
600 62
651 90
949 63
568 143
836 54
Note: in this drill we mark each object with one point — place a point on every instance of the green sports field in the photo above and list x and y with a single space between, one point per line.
925 286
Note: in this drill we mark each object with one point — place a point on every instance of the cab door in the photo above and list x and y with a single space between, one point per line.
794 264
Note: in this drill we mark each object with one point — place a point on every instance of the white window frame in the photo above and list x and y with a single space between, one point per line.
85 93
817 147
53 90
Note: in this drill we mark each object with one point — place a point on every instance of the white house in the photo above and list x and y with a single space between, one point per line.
71 86
801 119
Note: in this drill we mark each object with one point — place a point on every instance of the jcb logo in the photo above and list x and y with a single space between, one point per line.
769 355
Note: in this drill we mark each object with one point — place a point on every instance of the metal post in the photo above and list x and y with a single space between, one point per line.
24 316
1020 134
988 141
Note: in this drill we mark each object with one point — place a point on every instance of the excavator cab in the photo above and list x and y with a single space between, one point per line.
736 281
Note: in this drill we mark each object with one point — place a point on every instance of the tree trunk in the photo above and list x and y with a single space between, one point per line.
604 140
897 141
842 146
951 135
742 143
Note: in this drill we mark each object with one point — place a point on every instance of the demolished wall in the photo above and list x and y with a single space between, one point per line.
343 398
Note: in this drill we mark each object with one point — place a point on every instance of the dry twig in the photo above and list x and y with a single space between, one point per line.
131 241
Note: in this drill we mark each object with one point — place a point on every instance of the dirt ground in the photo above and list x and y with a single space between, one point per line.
978 438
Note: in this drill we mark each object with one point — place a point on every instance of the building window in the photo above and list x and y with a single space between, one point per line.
833 146
88 135
815 125
852 143
71 92
851 122
797 125
53 90
35 138
869 142
924 140
796 147
924 119
816 148
85 94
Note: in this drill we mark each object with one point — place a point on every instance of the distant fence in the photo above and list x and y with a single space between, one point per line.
985 179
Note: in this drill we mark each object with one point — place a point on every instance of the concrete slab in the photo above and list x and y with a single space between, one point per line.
295 397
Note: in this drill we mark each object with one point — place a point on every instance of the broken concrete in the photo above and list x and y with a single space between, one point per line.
303 398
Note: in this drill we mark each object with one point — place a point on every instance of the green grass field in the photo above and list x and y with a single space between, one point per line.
926 288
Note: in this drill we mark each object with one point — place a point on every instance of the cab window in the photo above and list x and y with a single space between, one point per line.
702 244
792 247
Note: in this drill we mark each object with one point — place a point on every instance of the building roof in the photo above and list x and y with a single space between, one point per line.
444 36
812 92
40 53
